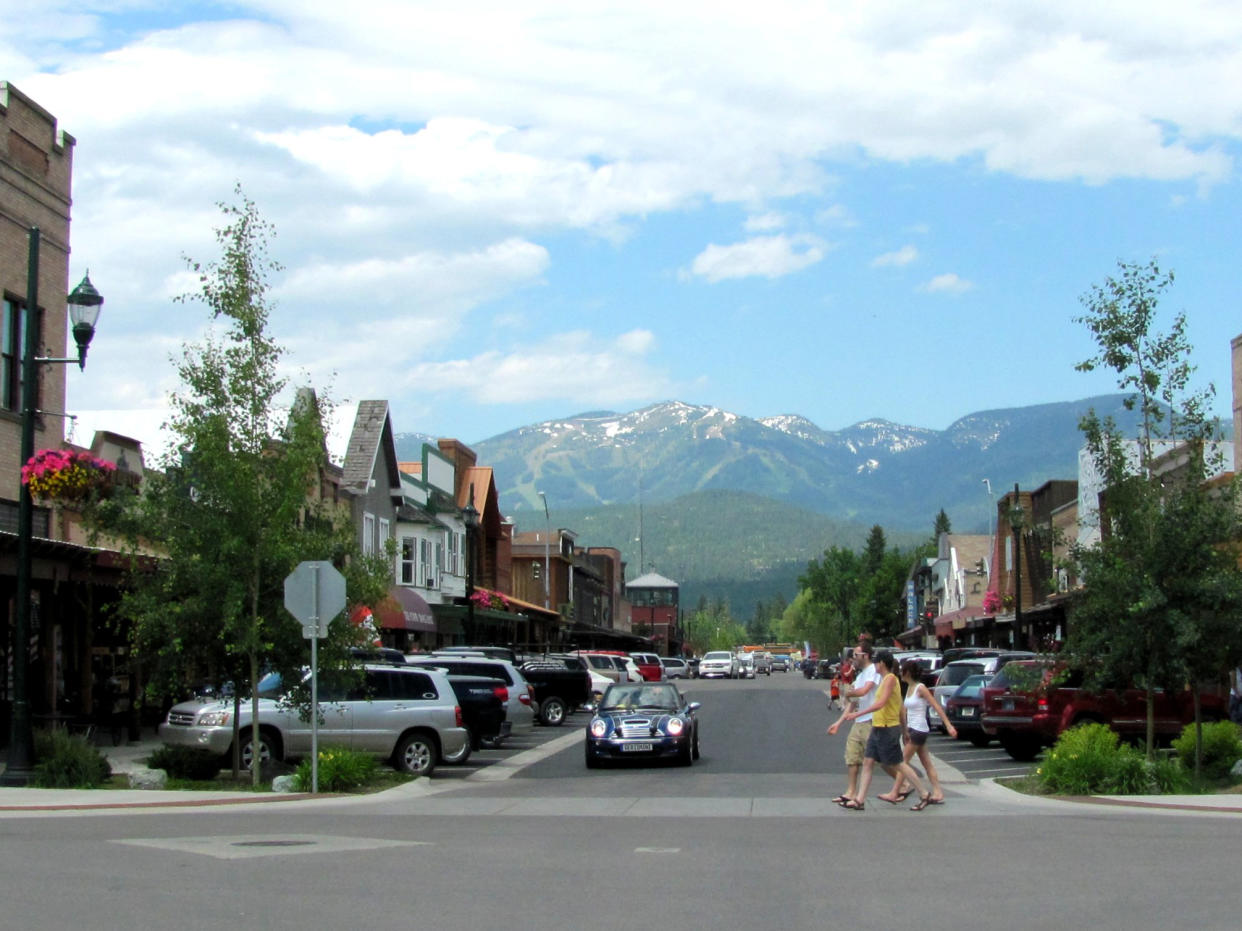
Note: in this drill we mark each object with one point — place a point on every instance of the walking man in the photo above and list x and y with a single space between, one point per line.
861 692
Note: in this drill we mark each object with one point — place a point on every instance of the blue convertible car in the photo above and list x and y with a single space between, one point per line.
639 721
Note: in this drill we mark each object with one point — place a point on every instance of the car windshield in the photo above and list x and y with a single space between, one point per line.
717 655
649 696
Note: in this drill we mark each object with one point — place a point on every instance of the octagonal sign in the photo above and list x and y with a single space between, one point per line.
315 594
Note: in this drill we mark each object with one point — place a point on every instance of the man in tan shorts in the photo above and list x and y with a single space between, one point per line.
866 680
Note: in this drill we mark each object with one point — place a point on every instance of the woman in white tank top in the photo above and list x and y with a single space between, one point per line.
916 728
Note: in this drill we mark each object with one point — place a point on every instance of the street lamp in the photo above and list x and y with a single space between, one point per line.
84 306
547 551
1017 518
470 516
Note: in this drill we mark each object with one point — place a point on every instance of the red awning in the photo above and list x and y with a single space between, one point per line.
405 609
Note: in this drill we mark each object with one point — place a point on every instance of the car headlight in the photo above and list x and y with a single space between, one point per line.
214 718
676 726
599 727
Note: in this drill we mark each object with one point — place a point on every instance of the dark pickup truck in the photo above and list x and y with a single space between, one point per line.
559 688
1027 706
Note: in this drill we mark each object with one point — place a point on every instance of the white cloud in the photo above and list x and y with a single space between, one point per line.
948 283
903 256
575 365
764 222
766 256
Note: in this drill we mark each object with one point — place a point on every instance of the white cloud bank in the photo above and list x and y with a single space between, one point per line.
763 256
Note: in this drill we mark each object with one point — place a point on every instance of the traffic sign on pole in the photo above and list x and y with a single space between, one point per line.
315 594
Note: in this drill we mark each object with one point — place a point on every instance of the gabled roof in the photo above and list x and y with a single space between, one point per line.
371 437
652 580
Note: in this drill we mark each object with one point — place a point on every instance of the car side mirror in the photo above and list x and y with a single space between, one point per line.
589 707
695 705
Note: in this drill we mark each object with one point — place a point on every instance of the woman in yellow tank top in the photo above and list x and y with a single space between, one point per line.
884 744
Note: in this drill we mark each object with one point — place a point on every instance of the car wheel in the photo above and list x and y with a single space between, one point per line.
491 743
696 753
456 759
685 756
980 739
1022 749
416 755
552 711
266 749
592 761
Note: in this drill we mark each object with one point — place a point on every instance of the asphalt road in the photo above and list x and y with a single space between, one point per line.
532 839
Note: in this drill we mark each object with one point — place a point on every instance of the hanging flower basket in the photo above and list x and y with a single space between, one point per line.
66 476
991 603
483 598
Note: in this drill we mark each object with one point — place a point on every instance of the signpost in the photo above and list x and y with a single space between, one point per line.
314 594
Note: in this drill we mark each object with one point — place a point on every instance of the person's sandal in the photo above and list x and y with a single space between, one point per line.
924 801
852 805
840 800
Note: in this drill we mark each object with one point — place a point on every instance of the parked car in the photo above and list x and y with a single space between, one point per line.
780 662
949 678
557 689
644 721
745 665
825 669
603 664
410 716
988 664
675 667
482 700
649 666
520 703
692 664
965 710
1029 703
718 663
763 662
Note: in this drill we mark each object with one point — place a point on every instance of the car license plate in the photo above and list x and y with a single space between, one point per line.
968 712
636 748
1007 704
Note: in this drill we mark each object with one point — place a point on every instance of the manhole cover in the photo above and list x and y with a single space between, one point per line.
274 843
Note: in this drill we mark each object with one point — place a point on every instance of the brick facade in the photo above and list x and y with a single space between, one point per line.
36 167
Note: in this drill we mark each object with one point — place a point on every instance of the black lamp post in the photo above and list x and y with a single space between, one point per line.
470 515
1017 518
84 306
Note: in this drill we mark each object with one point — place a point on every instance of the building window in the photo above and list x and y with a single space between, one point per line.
409 561
12 334
368 534
384 532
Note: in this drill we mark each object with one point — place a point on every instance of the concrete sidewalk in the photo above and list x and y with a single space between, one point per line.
132 756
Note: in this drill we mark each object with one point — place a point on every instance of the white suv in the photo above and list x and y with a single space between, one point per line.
408 716
718 663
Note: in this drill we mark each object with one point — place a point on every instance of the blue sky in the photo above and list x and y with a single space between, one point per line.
493 214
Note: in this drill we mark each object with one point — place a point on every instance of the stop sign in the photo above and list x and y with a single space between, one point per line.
315 594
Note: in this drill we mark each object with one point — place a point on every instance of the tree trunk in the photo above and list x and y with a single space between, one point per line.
1151 725
236 731
255 761
1198 734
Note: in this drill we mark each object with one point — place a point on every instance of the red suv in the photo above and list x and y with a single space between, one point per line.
1029 703
649 665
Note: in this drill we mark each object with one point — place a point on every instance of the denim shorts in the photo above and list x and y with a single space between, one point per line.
884 745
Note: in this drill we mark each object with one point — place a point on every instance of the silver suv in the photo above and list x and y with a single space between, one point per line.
408 716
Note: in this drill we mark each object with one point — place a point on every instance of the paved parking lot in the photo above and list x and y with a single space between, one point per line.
976 762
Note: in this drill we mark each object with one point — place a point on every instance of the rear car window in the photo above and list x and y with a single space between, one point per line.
956 675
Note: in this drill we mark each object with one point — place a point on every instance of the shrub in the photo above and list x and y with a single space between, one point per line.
1222 747
340 770
185 763
68 761
1090 759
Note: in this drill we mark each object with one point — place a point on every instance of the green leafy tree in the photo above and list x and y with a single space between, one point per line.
1162 584
232 509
